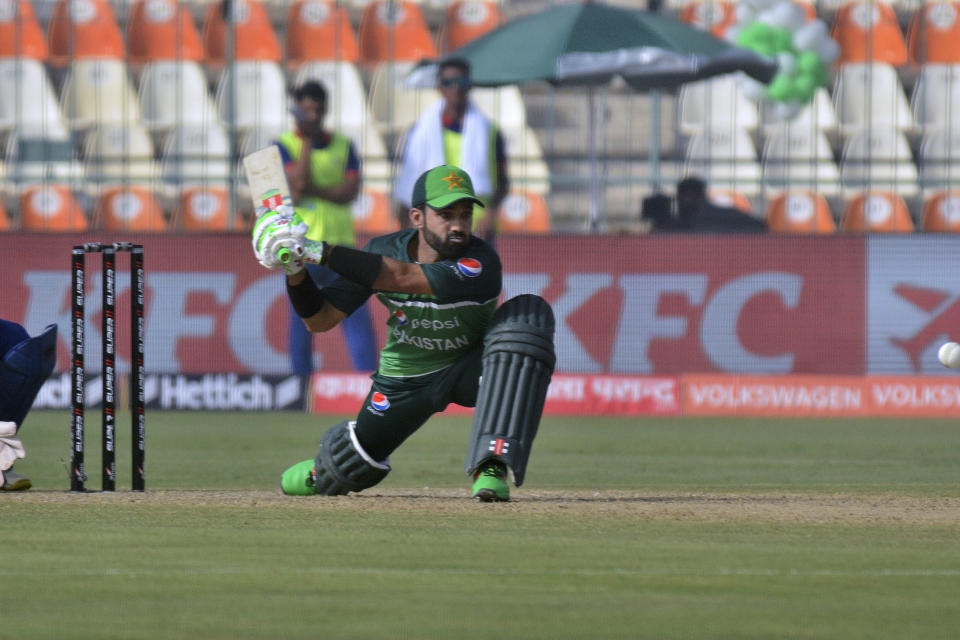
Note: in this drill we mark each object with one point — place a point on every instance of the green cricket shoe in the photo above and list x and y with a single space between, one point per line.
490 482
299 480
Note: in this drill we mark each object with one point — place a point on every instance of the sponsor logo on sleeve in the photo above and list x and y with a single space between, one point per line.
379 403
469 267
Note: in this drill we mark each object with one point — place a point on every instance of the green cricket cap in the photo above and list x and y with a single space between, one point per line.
442 186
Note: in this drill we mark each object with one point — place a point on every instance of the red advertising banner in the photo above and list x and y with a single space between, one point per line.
343 393
821 396
641 306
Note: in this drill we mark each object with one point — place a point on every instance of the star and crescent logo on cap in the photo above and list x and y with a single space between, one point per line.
453 181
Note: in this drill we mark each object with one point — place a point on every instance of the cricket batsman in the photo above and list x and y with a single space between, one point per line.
447 341
25 363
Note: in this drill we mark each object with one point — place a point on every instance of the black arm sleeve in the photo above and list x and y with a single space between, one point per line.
306 297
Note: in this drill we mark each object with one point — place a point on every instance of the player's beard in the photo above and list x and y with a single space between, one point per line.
445 249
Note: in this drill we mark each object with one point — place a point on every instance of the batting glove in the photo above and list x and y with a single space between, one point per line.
278 239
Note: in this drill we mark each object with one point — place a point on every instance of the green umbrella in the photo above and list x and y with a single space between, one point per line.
589 43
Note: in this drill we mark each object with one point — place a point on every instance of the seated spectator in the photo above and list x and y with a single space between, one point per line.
694 212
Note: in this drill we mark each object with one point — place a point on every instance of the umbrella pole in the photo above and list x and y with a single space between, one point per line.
592 158
655 140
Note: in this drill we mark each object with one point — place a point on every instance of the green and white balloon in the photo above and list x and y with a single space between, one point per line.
803 49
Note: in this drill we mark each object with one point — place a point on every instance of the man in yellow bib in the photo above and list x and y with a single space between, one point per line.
454 131
323 182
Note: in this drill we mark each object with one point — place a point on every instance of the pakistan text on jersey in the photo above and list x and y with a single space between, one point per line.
431 344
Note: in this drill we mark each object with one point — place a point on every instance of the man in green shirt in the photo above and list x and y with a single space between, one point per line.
441 285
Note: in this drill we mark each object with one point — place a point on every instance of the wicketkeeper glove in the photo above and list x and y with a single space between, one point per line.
279 237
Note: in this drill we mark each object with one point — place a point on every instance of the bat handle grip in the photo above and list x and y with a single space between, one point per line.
285 255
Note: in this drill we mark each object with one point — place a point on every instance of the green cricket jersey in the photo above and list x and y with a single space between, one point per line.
428 333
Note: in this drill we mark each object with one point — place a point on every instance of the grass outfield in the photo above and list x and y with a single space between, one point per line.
672 528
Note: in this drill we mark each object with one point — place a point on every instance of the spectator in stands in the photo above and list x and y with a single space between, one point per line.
323 182
454 131
694 212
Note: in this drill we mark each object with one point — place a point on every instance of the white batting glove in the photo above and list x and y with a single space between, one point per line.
279 238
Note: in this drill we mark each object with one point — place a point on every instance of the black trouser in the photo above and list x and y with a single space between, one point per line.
412 401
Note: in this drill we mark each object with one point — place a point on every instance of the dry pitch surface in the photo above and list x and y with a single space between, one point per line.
795 508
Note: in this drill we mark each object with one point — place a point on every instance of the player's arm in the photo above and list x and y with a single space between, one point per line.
375 271
311 305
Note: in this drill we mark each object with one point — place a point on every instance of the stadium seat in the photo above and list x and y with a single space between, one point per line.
119 153
933 36
195 155
394 30
39 159
396 107
98 92
524 212
730 198
504 105
817 114
878 158
870 94
717 104
174 93
203 209
877 212
725 159
20 33
129 208
319 30
260 90
255 37
800 211
941 212
83 29
4 219
28 101
798 157
936 96
467 20
869 31
715 16
372 213
347 99
50 207
162 30
939 158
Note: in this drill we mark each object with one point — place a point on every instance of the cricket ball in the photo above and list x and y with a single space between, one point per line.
949 355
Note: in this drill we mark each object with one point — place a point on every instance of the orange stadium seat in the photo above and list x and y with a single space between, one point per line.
392 31
129 209
162 30
20 33
467 20
4 219
255 40
50 207
800 212
524 212
83 29
877 212
709 15
203 209
319 30
869 32
934 34
941 212
372 213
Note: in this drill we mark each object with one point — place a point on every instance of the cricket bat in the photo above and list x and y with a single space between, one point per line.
268 183
267 179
